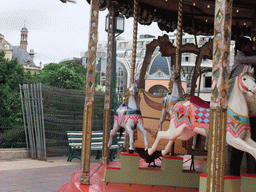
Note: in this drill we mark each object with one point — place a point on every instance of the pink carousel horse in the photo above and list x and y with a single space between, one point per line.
172 97
192 117
129 117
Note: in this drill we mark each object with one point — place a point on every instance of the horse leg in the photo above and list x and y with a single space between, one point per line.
162 119
160 136
125 139
130 133
251 142
113 132
167 147
171 134
143 132
242 145
194 143
206 144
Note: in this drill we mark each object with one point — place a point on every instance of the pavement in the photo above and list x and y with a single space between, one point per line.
29 175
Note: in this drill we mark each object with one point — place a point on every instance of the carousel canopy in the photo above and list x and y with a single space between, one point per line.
199 12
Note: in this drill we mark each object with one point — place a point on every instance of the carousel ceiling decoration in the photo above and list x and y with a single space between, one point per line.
199 12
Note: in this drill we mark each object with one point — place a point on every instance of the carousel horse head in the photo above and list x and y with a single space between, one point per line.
246 82
133 89
175 74
246 85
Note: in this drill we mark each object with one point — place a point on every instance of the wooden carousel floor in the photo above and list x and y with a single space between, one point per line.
98 185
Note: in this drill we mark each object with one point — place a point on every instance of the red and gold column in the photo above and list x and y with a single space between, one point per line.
219 95
89 95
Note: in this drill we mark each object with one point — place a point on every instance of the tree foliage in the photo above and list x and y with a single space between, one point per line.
11 75
67 75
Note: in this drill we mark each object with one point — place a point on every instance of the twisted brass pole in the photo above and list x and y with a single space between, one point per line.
179 36
134 43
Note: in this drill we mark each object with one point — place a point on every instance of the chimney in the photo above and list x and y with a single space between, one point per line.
32 54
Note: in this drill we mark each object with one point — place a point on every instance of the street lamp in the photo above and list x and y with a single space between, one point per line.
119 23
119 29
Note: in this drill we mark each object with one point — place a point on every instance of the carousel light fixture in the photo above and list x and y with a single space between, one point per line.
206 20
244 23
194 4
119 23
208 6
237 10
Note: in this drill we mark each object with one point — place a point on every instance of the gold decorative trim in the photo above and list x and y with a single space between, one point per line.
109 83
218 114
89 95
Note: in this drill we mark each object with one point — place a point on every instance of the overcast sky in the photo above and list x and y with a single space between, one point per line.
56 30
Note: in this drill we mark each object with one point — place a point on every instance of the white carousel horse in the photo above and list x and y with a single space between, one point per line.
129 117
192 117
171 98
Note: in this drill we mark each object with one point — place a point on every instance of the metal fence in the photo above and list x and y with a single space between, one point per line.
33 117
63 111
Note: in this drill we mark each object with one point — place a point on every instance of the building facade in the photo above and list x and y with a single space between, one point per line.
159 70
20 52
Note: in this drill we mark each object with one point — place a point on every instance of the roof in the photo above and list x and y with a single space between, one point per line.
24 29
159 62
22 56
165 13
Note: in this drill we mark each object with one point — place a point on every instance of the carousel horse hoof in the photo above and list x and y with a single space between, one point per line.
131 151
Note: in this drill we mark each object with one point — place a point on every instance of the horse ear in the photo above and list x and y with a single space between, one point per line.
252 70
245 68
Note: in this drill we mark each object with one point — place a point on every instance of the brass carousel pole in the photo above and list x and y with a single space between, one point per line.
219 95
179 37
108 91
134 43
89 95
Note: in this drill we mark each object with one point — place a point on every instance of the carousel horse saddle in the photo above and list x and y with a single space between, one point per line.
199 102
130 111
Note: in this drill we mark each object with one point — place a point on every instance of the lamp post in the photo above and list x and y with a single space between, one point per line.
119 29
114 25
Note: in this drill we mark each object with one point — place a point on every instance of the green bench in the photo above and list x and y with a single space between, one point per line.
75 144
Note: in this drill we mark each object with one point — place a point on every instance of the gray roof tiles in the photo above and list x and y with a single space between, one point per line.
21 55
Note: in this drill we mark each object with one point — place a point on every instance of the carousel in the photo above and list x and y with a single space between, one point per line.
149 135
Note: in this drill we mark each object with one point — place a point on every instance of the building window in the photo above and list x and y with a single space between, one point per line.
204 60
184 41
185 58
207 81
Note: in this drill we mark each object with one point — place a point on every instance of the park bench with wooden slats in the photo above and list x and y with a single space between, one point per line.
75 144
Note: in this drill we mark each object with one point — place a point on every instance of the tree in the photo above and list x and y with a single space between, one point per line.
67 75
11 75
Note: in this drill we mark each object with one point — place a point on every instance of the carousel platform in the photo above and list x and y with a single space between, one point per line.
98 183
